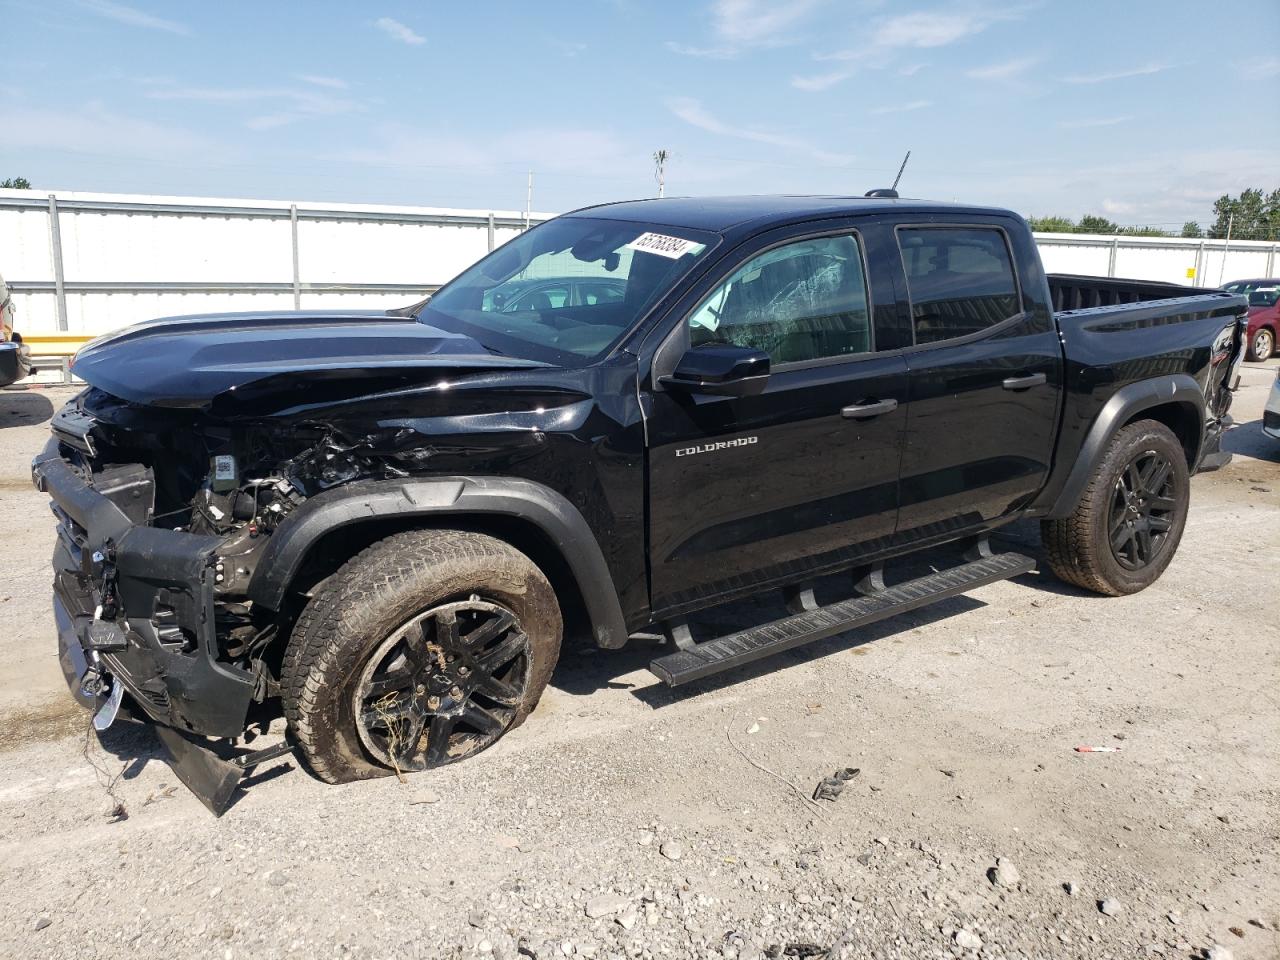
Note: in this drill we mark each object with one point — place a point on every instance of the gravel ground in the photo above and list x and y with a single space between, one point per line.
625 820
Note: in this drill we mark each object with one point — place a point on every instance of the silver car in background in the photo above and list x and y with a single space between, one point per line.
1271 413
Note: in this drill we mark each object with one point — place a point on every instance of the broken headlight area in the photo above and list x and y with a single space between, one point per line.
237 479
155 583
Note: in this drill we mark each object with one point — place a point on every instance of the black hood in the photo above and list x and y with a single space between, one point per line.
192 361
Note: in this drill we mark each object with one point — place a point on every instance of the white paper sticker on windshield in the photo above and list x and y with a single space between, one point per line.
673 248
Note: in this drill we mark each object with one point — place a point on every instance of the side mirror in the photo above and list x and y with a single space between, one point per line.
720 369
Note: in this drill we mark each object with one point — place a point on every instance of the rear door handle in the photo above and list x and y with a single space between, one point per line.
864 411
1025 383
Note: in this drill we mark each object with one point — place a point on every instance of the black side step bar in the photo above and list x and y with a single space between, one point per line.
703 659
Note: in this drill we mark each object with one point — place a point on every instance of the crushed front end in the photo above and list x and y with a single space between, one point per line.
163 515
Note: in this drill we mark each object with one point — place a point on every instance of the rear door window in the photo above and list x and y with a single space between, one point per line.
960 280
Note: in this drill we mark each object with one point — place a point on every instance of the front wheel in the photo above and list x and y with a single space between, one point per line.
1263 345
1126 527
423 650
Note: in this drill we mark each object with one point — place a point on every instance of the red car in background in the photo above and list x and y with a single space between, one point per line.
1264 314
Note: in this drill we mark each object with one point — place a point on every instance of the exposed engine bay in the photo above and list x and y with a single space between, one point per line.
185 471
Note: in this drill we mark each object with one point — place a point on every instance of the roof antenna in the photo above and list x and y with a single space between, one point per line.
892 192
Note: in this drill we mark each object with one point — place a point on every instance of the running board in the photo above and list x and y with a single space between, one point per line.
703 659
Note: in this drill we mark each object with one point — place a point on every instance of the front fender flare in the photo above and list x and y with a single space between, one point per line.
1120 408
557 519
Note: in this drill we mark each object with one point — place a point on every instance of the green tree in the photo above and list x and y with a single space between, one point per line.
1252 215
15 183
1143 232
1052 224
1094 224
1191 229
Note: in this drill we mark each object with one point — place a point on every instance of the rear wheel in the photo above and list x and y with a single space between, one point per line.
423 650
1263 345
1127 525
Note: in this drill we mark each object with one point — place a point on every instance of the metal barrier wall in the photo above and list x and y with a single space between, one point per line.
1202 263
81 264
88 263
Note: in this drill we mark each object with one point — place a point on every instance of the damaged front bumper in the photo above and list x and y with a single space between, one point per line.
136 618
160 641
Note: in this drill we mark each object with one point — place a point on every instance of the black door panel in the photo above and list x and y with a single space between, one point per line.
985 379
759 489
976 451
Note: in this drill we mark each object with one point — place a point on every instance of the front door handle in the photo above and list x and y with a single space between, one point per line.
864 411
1025 383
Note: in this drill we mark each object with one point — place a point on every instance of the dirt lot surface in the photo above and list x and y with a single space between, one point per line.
627 820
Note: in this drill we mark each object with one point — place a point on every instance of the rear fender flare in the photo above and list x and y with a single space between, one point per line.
440 498
1122 407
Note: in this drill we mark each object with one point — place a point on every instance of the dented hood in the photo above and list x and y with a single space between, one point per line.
195 361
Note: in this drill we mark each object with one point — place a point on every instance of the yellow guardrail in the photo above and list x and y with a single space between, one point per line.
54 344
52 352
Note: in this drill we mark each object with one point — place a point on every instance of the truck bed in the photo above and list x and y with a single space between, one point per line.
1121 336
1071 292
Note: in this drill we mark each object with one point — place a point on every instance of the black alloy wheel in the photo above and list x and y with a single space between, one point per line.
1142 509
443 686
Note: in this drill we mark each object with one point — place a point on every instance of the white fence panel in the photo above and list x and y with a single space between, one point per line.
1201 263
102 247
130 258
1074 255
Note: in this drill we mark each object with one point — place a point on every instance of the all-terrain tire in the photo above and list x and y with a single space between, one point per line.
1079 546
368 599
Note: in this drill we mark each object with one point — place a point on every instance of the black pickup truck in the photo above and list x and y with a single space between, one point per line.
380 525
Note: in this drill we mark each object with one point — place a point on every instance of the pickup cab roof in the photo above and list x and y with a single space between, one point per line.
724 214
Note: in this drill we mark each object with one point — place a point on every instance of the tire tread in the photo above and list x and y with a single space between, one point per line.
364 585
1074 553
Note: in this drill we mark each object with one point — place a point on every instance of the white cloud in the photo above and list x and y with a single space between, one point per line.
569 48
134 17
821 81
333 83
922 30
94 129
270 121
1105 76
399 31
925 29
1118 208
904 107
711 53
1092 122
303 101
755 22
286 105
1003 71
740 25
1262 69
692 112
399 146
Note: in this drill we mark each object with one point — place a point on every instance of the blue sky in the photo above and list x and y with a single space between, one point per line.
1144 110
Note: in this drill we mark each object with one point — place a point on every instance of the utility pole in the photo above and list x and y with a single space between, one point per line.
1226 247
660 158
528 201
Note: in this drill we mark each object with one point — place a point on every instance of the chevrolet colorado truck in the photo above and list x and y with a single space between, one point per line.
380 526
